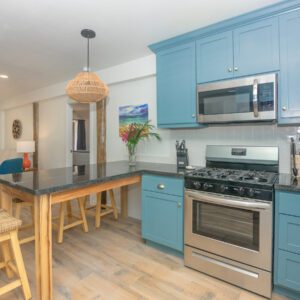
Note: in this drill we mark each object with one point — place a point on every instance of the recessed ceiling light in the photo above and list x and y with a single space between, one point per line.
3 76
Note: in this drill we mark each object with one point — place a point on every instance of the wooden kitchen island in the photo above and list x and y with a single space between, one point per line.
47 187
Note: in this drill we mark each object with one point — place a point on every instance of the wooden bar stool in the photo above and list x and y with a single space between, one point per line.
100 210
79 220
19 205
8 233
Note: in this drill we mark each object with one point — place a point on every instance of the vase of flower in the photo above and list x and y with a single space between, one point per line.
131 155
132 134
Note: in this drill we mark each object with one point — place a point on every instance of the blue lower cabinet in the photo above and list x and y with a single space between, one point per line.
162 214
289 270
287 244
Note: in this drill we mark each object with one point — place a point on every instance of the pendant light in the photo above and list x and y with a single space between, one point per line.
87 87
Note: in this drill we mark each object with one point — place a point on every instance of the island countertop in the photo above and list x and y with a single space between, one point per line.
41 182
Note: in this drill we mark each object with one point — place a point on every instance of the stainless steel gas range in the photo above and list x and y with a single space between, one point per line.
229 216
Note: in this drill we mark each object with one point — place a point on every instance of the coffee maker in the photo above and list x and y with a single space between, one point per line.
182 155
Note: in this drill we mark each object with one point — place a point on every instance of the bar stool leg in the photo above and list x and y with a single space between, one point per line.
7 258
69 211
32 215
18 212
20 264
98 211
81 202
113 204
61 224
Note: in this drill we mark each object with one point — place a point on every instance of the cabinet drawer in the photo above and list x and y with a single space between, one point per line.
289 270
289 233
288 203
163 184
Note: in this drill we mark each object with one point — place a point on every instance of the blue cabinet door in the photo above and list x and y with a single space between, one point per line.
176 87
214 57
162 219
256 48
288 271
289 84
289 233
287 244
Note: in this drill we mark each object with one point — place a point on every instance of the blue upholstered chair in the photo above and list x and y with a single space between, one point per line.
9 166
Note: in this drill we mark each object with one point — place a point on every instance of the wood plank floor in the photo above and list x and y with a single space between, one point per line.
114 263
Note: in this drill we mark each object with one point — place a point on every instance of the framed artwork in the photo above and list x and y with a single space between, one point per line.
17 129
132 114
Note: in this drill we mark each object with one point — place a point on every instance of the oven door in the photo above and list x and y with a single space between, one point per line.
238 100
236 228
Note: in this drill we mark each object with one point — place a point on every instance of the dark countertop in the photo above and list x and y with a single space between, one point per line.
54 180
286 182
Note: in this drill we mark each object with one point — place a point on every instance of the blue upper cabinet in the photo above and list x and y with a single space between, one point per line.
176 87
215 57
247 50
289 84
256 48
263 41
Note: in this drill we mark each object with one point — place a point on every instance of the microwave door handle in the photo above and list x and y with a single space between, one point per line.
255 95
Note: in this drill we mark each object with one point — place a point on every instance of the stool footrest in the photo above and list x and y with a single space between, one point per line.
10 286
27 240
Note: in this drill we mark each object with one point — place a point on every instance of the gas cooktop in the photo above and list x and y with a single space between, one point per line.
242 176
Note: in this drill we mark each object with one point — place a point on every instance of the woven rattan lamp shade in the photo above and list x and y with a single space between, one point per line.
87 87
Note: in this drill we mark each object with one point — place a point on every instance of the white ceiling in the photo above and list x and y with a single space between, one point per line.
41 43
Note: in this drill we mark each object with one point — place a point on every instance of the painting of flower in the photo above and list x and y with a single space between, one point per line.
129 114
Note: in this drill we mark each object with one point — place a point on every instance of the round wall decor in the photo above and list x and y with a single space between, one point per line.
17 129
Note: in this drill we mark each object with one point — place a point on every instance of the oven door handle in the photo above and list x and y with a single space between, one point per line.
255 95
228 202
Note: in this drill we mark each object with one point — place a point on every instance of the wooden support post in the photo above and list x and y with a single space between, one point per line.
124 201
43 247
101 141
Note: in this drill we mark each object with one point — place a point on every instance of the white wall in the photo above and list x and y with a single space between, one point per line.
2 129
53 135
25 115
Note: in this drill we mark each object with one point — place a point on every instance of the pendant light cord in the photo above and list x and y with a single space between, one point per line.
88 55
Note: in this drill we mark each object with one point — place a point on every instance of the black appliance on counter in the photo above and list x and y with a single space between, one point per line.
182 155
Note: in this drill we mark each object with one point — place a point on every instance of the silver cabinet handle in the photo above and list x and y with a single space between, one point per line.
178 204
229 70
160 186
284 108
255 104
236 68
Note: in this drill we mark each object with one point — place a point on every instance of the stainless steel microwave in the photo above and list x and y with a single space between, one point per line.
246 99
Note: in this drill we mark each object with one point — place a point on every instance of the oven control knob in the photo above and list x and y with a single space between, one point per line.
241 191
207 186
223 188
197 185
251 193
